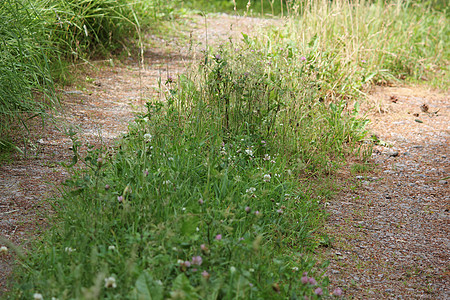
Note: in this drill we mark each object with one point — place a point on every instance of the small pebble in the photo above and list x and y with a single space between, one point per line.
393 153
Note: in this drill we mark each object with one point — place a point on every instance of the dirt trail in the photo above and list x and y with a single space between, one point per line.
390 226
99 108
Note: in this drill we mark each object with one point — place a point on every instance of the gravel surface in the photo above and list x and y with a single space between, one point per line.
391 225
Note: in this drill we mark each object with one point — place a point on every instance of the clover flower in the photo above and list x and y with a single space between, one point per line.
266 177
247 209
218 237
120 199
110 282
205 275
3 249
69 250
249 152
250 190
312 281
302 58
112 248
197 260
318 291
337 292
37 296
148 137
305 279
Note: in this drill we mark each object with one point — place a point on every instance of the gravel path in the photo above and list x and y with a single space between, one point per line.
391 225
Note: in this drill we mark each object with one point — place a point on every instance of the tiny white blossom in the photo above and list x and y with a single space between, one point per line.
250 190
110 282
148 137
249 152
295 269
267 177
232 270
69 250
112 248
167 182
37 296
266 157
3 249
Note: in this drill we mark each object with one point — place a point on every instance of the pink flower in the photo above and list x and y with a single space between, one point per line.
318 291
257 212
218 237
247 209
205 275
302 58
187 264
305 279
197 260
312 281
337 292
200 201
203 247
120 199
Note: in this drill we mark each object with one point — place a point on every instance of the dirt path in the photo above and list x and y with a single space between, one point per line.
99 108
391 225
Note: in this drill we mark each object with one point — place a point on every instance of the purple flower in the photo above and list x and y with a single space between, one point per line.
218 57
302 58
197 260
187 264
120 199
205 275
257 213
280 211
247 209
107 187
145 172
318 291
218 237
312 281
305 279
337 292
200 201
203 247
169 79
363 61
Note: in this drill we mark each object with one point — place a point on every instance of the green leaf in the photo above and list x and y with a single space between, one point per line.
182 288
147 288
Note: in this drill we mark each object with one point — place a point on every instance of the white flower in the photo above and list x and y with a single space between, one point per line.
295 269
249 152
3 249
69 250
250 190
110 282
37 296
266 157
267 177
112 248
167 182
232 270
148 137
